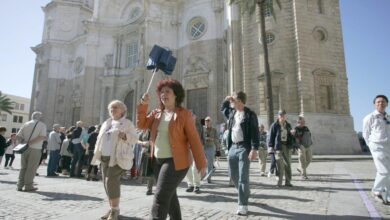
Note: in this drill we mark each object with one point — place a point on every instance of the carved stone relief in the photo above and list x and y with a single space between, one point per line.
76 96
196 65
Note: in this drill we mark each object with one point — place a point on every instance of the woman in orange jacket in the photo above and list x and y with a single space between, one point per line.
174 143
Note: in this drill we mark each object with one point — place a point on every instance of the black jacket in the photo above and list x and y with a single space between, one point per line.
249 126
275 136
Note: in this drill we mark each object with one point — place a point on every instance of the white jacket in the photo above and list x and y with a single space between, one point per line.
122 153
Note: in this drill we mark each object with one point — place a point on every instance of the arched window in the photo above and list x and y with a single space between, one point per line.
129 102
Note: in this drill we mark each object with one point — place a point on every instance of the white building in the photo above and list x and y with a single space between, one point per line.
94 51
20 114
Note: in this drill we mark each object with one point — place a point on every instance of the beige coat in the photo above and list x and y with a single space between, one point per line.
122 153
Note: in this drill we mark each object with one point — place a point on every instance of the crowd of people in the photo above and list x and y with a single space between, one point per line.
168 145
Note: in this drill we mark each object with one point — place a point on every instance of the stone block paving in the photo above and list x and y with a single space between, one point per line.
338 188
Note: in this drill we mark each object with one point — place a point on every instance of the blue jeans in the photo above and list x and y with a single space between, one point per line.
77 161
210 154
54 160
239 172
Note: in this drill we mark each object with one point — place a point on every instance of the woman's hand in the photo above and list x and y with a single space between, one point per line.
202 172
145 99
122 135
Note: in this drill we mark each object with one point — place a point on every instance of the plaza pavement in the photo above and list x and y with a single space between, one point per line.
338 188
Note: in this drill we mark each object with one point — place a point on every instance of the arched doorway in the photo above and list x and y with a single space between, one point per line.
129 102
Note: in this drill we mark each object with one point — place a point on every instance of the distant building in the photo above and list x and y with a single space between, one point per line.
20 114
94 51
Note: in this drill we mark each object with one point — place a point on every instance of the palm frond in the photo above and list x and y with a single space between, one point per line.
6 105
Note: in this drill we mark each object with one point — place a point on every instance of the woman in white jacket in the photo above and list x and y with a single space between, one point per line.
114 153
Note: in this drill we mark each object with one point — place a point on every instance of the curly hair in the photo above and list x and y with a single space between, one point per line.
177 88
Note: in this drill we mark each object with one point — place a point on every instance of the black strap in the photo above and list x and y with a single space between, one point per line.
32 131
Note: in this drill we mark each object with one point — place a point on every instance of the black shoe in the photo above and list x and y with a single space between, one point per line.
197 190
288 184
190 189
149 192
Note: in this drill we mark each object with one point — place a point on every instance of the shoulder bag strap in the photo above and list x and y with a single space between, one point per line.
32 131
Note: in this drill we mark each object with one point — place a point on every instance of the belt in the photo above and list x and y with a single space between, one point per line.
239 143
283 142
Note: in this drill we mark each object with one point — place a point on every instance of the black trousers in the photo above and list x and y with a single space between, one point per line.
165 198
9 157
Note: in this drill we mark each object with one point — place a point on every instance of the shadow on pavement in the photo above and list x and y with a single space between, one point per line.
8 182
280 213
129 218
53 196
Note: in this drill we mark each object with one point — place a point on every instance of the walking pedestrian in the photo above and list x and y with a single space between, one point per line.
243 144
114 153
173 139
262 150
376 133
303 141
9 152
281 144
210 143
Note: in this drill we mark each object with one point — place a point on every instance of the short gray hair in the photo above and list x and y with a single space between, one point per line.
36 115
118 103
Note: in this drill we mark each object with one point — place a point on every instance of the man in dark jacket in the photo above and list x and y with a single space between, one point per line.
281 143
303 140
243 143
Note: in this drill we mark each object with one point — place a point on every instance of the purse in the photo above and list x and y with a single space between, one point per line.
21 148
146 166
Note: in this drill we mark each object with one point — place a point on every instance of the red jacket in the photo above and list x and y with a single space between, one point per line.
183 136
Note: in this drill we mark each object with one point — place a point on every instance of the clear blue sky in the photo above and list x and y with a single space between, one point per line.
365 24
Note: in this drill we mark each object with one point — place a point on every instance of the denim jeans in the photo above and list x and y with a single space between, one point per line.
54 160
210 154
239 172
77 161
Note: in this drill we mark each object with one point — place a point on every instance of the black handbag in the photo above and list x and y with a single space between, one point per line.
146 166
21 148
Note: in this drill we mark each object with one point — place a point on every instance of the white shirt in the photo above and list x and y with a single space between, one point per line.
237 135
375 128
27 128
54 141
107 145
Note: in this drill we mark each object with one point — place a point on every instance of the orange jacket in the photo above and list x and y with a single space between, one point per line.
183 136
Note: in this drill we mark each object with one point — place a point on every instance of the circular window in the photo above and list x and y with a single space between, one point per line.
196 28
320 34
269 37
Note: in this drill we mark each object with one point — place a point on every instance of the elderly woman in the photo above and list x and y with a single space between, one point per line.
114 153
174 142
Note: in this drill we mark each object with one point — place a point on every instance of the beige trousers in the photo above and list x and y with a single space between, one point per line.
305 156
29 165
262 154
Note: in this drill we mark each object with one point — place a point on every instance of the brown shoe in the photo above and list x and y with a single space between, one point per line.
106 215
114 214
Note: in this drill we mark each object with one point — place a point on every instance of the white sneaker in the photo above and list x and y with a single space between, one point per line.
269 174
242 210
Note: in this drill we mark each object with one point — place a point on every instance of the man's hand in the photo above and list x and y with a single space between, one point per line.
252 155
270 150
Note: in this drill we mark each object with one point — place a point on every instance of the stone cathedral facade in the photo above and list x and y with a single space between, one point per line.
95 51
